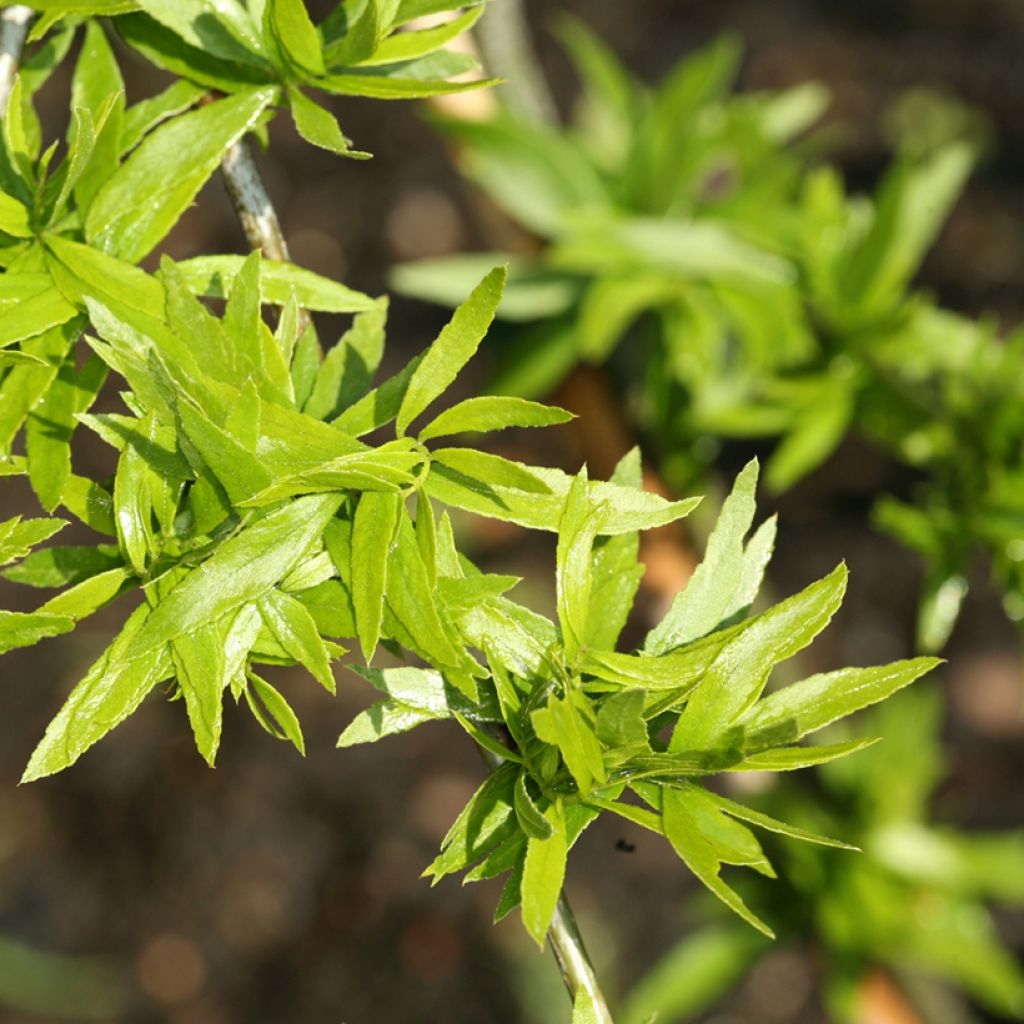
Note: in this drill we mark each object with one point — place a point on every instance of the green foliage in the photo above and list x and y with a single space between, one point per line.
757 297
914 901
268 502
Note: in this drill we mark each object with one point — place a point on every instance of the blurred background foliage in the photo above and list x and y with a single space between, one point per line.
805 242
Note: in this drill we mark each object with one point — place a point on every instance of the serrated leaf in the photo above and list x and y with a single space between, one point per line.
111 690
454 347
20 629
288 23
348 368
710 592
376 521
18 536
543 875
483 824
815 702
493 412
682 822
213 276
273 712
319 126
295 630
738 675
530 817
574 575
136 208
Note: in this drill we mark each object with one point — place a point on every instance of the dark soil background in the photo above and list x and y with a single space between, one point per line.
276 889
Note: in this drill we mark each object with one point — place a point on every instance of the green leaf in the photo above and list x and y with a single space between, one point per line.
242 569
51 426
60 566
14 217
454 347
385 718
222 28
563 725
410 45
89 271
111 690
528 814
213 276
412 601
348 368
686 816
738 676
319 126
574 576
88 596
295 630
134 493
487 413
18 536
494 470
143 117
18 629
273 712
620 721
807 706
753 817
543 875
584 1011
375 526
710 593
616 570
288 23
390 88
99 88
485 822
200 665
35 316
618 509
138 206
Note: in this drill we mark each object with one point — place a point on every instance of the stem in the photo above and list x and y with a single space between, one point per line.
255 210
566 941
504 37
252 204
574 961
13 30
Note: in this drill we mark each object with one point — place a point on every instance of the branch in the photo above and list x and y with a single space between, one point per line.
566 941
13 29
504 37
574 961
255 210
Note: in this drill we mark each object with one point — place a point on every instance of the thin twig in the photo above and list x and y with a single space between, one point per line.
504 37
574 961
255 210
566 941
13 30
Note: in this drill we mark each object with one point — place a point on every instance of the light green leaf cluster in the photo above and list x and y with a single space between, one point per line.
583 729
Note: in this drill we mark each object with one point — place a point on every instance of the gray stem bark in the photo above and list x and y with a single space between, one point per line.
13 30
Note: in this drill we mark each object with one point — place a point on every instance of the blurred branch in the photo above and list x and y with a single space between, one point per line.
13 30
508 51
